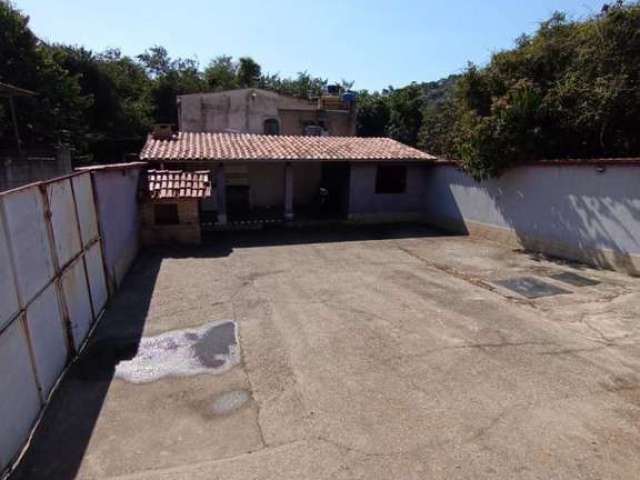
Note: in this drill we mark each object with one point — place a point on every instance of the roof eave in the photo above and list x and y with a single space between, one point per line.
285 160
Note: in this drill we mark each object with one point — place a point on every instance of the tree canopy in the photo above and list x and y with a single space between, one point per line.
570 89
104 103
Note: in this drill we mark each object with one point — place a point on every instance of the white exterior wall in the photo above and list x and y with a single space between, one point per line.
572 211
242 110
367 205
117 205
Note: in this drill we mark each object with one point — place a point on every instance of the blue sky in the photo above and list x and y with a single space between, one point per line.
374 43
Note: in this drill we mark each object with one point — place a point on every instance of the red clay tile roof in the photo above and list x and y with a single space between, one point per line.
176 184
188 146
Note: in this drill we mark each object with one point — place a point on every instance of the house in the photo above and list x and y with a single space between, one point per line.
169 208
266 177
252 110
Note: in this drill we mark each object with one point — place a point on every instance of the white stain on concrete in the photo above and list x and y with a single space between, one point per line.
210 349
229 402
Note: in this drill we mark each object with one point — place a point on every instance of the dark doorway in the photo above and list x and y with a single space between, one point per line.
335 180
238 204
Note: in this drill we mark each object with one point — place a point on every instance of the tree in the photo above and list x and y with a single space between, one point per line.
405 113
373 114
131 91
303 86
156 61
221 73
571 89
57 113
170 78
248 72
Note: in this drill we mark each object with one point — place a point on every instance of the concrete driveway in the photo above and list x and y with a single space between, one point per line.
393 353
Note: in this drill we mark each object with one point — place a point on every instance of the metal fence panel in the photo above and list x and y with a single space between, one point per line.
63 220
24 212
48 338
8 296
116 194
76 295
53 284
19 400
97 280
83 192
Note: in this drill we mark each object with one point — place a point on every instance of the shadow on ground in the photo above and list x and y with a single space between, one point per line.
220 244
60 442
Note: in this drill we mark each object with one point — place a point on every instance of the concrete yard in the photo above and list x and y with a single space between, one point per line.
371 353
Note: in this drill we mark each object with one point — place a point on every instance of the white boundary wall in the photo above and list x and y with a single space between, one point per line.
588 212
53 289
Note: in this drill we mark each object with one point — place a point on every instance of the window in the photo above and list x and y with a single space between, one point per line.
391 179
271 127
166 214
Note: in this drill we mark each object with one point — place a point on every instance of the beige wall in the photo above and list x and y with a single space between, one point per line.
246 110
292 121
187 232
338 124
266 183
234 110
341 124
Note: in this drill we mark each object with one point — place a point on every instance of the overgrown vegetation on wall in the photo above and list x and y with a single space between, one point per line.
571 89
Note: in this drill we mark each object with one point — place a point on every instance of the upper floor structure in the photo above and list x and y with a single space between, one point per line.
253 110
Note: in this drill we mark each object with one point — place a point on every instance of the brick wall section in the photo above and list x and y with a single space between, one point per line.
186 232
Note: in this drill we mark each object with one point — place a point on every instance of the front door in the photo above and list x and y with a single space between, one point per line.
238 203
335 180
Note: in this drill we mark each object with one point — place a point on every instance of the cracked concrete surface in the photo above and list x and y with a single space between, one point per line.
368 353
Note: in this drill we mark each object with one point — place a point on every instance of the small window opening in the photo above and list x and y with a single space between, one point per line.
271 127
391 179
166 214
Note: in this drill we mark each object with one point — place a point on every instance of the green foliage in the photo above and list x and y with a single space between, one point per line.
57 113
572 89
167 79
399 113
304 85
395 113
249 72
221 74
105 103
405 113
373 114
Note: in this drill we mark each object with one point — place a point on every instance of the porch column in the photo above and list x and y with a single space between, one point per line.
221 196
288 191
